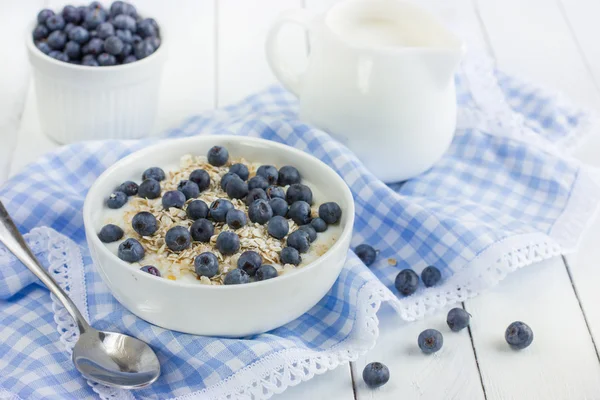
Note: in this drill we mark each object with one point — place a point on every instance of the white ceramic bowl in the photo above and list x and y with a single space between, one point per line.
231 311
87 103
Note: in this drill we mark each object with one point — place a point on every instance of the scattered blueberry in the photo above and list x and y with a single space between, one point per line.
43 15
299 192
149 189
93 47
430 341
318 224
125 22
279 206
255 194
278 227
268 172
129 188
55 23
110 233
189 189
59 55
518 335
219 209
113 45
299 240
407 282
274 192
330 212
431 276
152 270
228 243
116 200
300 212
240 170
178 238
144 223
131 251
201 178
155 173
258 182
376 374
197 209
366 253
260 211
57 40
217 155
206 264
312 234
73 50
249 261
43 47
288 175
40 32
226 178
106 60
236 277
290 255
266 272
237 188
173 198
202 230
458 319
236 219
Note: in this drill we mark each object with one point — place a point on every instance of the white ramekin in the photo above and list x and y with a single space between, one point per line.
230 311
87 103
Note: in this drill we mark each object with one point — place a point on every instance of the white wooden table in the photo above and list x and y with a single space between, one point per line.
218 59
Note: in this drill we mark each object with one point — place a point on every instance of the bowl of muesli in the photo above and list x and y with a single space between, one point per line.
219 235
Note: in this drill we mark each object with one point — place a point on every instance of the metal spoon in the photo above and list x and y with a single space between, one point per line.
109 358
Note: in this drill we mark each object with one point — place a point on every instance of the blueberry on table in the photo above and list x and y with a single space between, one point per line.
217 155
299 240
236 219
278 227
366 253
518 335
126 22
431 276
318 224
288 175
43 47
201 178
59 55
300 212
407 282
71 14
268 172
256 194
249 262
240 170
228 243
55 23
237 188
206 264
274 192
131 251
149 189
330 212
129 188
178 238
266 272
189 189
72 50
93 47
40 32
116 200
113 45
144 223
202 230
290 255
219 209
57 40
105 30
458 319
312 234
197 209
260 212
258 182
152 270
225 179
299 192
279 206
110 233
236 277
155 173
79 34
376 374
44 14
430 341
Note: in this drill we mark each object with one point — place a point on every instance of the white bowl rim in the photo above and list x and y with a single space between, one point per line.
348 215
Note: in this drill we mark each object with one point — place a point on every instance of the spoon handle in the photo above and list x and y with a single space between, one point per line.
12 239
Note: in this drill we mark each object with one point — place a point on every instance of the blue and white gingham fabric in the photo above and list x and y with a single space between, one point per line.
497 201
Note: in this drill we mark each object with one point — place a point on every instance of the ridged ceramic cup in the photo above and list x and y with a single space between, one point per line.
78 103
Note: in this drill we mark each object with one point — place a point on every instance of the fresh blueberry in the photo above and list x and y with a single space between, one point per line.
407 282
90 61
147 27
228 243
278 227
376 374
43 47
249 262
319 225
268 172
105 30
129 9
131 251
75 62
95 5
299 240
125 36
93 47
71 14
258 182
197 209
236 277
279 206
40 32
178 238
299 192
275 192
106 60
255 194
266 272
518 335
240 170
125 22
152 270
300 212
127 50
312 234
116 8
154 173
154 41
260 211
129 59
110 233
218 156
237 188
129 188
219 209
59 55
189 189
290 255
206 264
330 212
430 341
431 276
202 230
113 45
149 189
44 15
236 219
116 200
57 40
226 178
55 23
94 17
73 50
366 253
458 319
143 49
144 223
79 34
288 175
69 27
201 178
135 39
173 198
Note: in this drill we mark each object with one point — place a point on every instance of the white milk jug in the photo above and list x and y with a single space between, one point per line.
379 78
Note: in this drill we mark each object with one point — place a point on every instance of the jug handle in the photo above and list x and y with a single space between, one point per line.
290 79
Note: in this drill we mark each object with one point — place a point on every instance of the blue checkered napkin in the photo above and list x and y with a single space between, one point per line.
505 195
